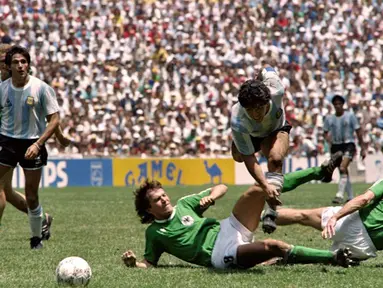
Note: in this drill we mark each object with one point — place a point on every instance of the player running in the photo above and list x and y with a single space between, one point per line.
182 230
258 123
358 225
25 102
16 198
339 132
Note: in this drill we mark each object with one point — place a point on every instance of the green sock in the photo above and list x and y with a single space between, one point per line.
304 255
294 179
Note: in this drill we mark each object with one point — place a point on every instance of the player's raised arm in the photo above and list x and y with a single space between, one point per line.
130 260
216 192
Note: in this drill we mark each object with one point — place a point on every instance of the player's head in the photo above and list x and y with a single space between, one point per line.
338 102
18 61
152 202
255 97
3 68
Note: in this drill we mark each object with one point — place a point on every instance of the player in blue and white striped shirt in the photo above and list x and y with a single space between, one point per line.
16 198
25 102
339 131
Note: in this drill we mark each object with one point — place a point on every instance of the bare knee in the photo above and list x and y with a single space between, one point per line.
343 170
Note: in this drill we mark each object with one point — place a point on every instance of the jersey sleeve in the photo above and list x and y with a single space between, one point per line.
377 189
271 79
193 201
153 250
243 143
355 122
50 104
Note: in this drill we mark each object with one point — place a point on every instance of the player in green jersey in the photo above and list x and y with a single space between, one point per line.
182 230
358 225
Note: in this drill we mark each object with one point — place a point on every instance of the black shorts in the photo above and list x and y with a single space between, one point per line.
258 140
348 149
12 152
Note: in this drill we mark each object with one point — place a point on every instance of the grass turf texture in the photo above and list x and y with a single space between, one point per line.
99 224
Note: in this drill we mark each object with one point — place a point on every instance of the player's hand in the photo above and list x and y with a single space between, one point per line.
329 231
205 202
363 153
32 152
129 258
272 195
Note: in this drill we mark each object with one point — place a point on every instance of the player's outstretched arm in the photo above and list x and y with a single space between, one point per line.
130 260
350 207
216 192
64 141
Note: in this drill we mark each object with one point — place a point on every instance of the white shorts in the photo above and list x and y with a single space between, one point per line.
350 233
231 235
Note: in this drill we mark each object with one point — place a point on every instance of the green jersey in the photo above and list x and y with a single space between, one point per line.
372 215
186 234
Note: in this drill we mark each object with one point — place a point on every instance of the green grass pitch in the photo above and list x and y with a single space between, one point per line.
99 224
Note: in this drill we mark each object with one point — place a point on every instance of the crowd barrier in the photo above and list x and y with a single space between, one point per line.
131 172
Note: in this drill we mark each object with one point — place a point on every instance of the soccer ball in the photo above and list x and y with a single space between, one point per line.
73 271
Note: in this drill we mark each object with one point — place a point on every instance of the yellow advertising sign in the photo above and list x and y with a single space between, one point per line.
132 172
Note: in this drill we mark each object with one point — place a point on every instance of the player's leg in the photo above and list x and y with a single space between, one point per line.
35 211
249 255
32 170
306 217
3 203
15 198
343 179
324 173
18 200
275 148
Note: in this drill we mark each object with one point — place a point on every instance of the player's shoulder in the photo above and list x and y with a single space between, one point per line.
37 82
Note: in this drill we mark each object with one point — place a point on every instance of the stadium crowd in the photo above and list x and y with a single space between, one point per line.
158 78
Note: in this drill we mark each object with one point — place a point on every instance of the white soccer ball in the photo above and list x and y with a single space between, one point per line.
73 271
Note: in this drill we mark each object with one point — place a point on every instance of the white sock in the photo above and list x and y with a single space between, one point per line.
341 186
36 221
349 191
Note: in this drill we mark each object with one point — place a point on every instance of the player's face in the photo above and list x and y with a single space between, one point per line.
258 113
160 206
19 66
3 68
338 105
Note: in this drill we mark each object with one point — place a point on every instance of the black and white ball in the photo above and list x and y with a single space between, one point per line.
73 271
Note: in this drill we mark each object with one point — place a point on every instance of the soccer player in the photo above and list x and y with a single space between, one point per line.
358 225
25 102
16 198
182 231
339 133
258 123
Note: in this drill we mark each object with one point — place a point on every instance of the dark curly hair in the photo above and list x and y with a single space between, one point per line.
16 49
141 200
253 93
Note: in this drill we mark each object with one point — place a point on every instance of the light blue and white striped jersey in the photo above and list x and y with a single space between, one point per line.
23 110
341 128
243 126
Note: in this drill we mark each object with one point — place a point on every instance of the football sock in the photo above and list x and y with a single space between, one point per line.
350 193
294 179
342 185
304 255
35 221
